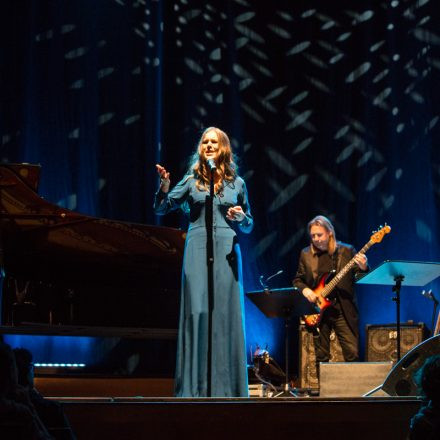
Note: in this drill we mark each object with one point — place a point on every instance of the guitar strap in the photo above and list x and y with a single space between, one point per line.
313 265
337 260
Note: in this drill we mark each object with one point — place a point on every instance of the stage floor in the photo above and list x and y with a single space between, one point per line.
125 408
256 418
110 407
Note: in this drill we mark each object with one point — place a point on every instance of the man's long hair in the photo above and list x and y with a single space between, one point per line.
320 220
226 167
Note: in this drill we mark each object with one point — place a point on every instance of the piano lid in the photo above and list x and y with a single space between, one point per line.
42 241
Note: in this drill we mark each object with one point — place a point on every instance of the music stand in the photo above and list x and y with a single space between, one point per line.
283 303
394 273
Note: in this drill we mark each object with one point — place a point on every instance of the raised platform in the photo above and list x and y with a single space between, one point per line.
137 404
103 387
138 408
276 418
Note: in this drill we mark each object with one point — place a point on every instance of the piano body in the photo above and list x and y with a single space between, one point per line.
65 268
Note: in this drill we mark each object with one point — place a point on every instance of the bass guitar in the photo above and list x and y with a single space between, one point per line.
324 288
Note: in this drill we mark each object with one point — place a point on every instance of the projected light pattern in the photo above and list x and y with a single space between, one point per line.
336 101
385 90
74 115
289 64
333 109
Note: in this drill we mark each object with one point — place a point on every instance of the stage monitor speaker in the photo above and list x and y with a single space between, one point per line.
307 360
381 340
351 379
400 381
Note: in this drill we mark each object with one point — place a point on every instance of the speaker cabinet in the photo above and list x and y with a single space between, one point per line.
400 381
381 343
307 360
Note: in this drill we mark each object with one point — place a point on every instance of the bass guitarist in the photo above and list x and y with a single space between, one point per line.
324 256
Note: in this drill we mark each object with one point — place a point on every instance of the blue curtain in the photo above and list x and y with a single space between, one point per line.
332 109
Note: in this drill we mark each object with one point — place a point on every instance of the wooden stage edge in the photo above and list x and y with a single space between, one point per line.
234 418
141 408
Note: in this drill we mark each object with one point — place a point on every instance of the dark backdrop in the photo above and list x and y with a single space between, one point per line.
331 110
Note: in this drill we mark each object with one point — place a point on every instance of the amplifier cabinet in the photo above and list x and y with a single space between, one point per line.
307 360
381 345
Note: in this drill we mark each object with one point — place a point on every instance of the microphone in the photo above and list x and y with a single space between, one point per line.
428 294
264 283
211 164
274 275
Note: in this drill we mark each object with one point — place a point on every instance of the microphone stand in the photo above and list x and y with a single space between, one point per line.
209 217
264 284
434 311
432 297
396 288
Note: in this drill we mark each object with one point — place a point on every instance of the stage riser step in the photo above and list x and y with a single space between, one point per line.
364 418
105 387
352 379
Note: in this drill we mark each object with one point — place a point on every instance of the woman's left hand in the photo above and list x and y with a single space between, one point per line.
235 214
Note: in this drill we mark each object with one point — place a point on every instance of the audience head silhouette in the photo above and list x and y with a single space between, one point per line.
25 367
428 378
8 370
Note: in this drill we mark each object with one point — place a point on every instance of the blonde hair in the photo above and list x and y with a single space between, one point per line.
226 167
320 220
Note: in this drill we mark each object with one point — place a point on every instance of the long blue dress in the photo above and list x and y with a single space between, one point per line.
229 366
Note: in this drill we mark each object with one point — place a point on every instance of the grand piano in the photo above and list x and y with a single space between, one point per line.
64 268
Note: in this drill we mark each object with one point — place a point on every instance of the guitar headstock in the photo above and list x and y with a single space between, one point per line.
378 235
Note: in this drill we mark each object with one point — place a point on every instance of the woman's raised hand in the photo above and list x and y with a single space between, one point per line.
164 178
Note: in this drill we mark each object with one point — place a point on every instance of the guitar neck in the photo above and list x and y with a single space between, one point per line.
338 277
